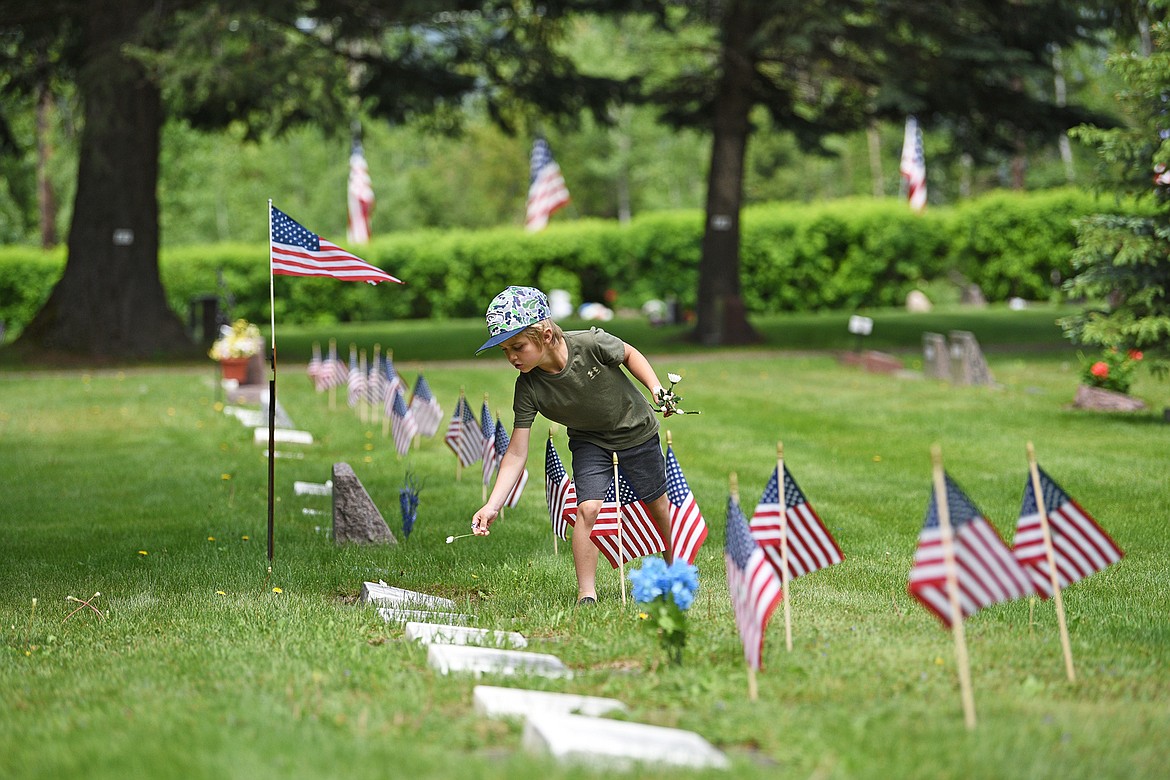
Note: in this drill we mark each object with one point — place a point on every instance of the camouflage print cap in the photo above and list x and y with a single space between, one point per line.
512 311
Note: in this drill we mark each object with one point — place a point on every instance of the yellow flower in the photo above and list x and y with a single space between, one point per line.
220 593
143 552
225 477
211 538
643 616
277 590
245 537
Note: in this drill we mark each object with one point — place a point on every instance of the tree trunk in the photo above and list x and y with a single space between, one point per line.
109 303
721 318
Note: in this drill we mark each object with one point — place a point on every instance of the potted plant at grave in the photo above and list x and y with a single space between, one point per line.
1105 381
236 346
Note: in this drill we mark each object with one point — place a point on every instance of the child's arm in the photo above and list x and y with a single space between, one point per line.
641 370
511 467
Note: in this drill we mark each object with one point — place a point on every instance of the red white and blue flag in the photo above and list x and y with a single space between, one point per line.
356 380
392 380
487 429
316 368
688 529
297 251
359 196
755 588
985 569
559 491
463 435
425 408
334 372
810 545
639 535
913 165
1080 546
546 187
401 423
501 445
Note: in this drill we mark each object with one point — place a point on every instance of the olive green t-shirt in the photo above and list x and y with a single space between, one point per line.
592 396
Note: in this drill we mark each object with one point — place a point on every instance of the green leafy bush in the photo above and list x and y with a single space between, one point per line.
845 254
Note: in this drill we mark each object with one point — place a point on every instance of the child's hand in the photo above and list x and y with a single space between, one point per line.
483 520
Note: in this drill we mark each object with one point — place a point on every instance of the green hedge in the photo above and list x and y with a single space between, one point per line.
844 254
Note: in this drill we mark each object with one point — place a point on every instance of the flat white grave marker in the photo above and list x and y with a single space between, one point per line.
389 596
396 615
434 633
485 660
313 488
282 435
616 743
497 702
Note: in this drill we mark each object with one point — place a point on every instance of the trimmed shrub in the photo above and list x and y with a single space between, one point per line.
844 254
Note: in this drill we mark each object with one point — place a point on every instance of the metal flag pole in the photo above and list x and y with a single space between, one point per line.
617 497
271 396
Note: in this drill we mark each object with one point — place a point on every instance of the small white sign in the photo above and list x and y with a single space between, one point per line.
123 237
860 326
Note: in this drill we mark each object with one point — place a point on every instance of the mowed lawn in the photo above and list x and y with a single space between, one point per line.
204 662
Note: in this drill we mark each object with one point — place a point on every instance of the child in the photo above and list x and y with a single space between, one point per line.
576 379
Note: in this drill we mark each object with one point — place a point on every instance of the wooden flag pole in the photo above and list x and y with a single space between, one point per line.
374 367
360 408
617 497
458 410
948 548
332 387
783 544
551 524
1050 554
485 404
753 688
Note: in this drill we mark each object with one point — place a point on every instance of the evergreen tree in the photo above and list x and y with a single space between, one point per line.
1122 259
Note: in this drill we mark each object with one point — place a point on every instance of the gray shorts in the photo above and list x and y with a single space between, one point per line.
643 466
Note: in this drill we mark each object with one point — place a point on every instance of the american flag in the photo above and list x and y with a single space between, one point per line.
487 429
913 166
356 380
639 535
1080 547
401 423
316 368
501 446
425 408
299 252
985 569
359 196
393 382
559 491
546 187
810 545
688 529
334 372
463 436
377 386
755 587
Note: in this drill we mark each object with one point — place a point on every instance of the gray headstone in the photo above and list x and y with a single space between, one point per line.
355 518
936 357
608 743
497 702
435 633
968 366
486 660
389 596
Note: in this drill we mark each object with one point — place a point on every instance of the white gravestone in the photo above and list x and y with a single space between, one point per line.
389 596
607 743
485 660
495 702
435 633
397 615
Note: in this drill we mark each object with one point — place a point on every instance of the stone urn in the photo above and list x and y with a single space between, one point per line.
1102 400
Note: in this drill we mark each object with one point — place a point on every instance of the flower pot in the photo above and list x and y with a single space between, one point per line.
235 368
1102 400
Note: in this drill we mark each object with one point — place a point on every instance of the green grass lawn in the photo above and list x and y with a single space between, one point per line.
135 484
